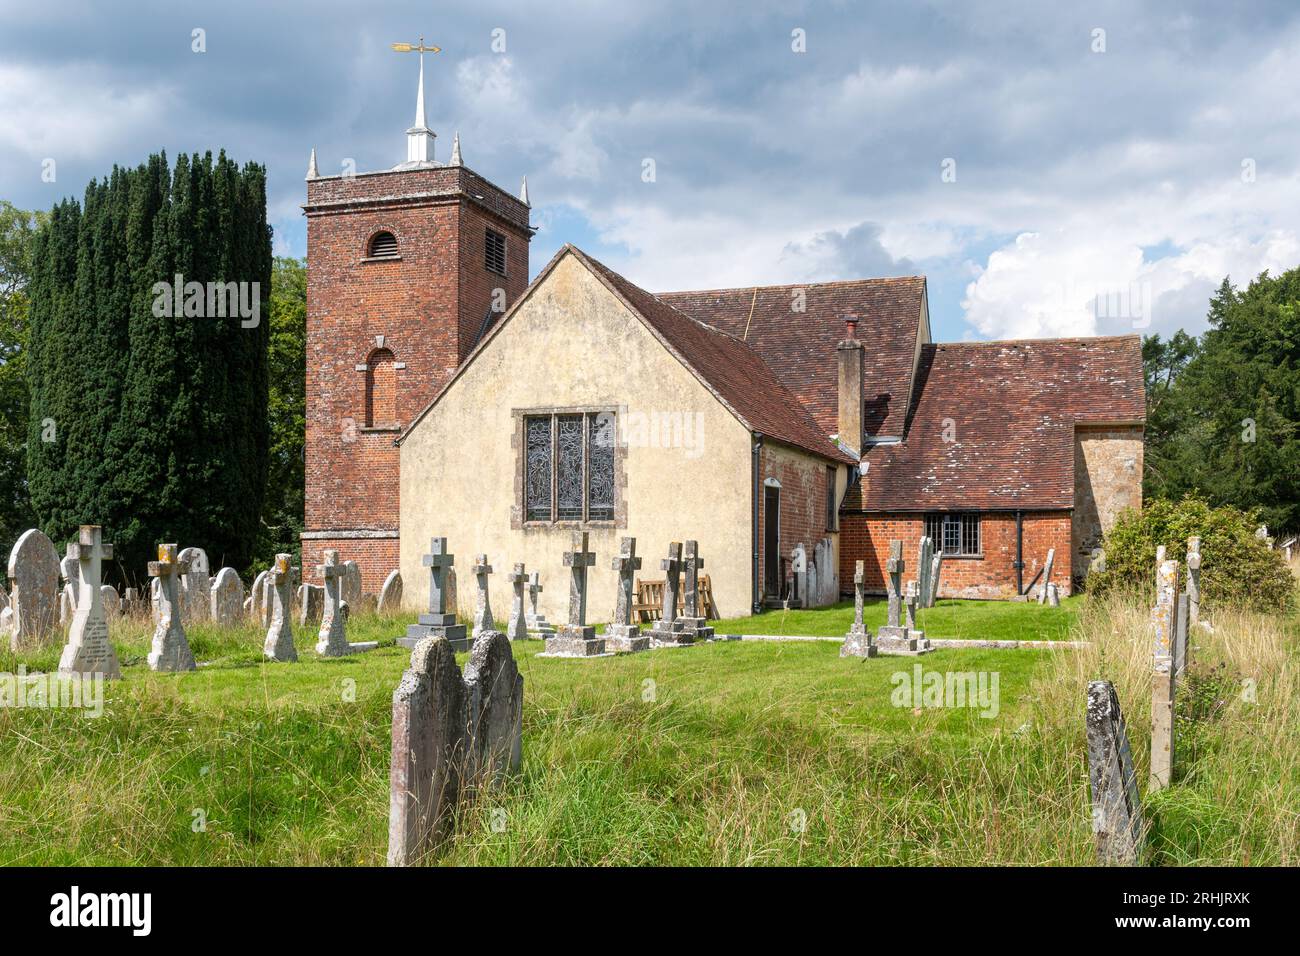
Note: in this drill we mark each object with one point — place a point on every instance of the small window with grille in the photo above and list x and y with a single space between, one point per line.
494 252
383 245
569 466
956 533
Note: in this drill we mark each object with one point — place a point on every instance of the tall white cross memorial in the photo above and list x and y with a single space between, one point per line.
89 650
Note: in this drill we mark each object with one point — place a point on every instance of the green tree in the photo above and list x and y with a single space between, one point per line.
282 514
158 420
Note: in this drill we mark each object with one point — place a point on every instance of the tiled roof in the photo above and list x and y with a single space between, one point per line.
799 347
734 371
1010 409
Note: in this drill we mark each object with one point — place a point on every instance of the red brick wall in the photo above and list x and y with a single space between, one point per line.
803 501
374 556
421 304
993 575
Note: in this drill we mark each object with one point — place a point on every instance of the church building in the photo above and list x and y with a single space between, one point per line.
791 430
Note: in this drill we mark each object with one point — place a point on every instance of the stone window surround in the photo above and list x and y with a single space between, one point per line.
517 443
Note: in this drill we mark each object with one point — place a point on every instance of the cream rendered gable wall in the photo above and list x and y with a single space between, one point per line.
573 343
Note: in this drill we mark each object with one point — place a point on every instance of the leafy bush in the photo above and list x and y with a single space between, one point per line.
1237 568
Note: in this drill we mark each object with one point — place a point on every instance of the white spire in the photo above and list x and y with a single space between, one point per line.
455 151
312 171
419 138
523 193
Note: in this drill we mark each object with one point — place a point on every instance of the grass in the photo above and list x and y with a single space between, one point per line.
733 753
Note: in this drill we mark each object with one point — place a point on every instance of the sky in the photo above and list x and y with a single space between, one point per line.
1052 169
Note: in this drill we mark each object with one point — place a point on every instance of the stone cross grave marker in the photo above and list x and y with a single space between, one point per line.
622 634
664 630
517 625
1164 627
331 639
1194 580
89 650
538 626
898 636
278 645
692 623
577 638
858 642
171 649
439 620
34 580
482 601
1116 806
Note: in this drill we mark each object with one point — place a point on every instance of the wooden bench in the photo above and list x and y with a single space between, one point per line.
649 602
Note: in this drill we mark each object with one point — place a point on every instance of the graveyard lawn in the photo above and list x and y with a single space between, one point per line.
726 753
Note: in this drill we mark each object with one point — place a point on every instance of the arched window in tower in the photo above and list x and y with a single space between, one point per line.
383 245
381 390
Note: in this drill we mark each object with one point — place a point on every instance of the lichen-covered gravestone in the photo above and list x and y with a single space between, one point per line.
577 638
257 598
390 594
278 645
108 597
1116 806
311 604
1164 627
89 650
351 584
452 736
227 598
196 585
34 579
331 640
663 631
858 641
171 649
622 634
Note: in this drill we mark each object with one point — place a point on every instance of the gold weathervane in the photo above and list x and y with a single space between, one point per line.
415 48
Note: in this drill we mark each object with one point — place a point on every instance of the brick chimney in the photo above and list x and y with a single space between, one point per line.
849 356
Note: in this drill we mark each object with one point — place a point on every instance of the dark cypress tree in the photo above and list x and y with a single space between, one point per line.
160 419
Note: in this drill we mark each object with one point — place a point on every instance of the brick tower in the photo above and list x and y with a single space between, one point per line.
406 269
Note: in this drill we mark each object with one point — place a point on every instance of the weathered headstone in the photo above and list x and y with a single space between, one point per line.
482 600
352 584
67 604
278 645
89 650
171 649
936 566
438 621
896 637
331 639
622 634
691 622
226 601
452 735
517 625
1180 636
538 626
909 605
664 630
858 642
1047 576
196 585
257 598
68 596
799 574
311 604
577 638
1053 596
34 579
390 593
1194 580
108 597
924 553
1164 627
1116 806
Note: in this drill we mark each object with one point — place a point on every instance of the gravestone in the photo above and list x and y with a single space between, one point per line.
909 605
171 649
538 626
67 604
858 641
1047 576
279 580
131 601
924 552
799 575
451 736
691 622
257 598
482 600
828 582
1194 580
226 601
390 593
108 597
311 604
352 584
1180 635
89 650
196 585
438 621
1116 806
517 625
896 637
577 638
34 598
622 634
68 596
1053 596
154 600
331 639
664 631
936 566
1164 627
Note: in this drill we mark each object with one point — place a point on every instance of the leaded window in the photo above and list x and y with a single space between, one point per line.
569 466
956 533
